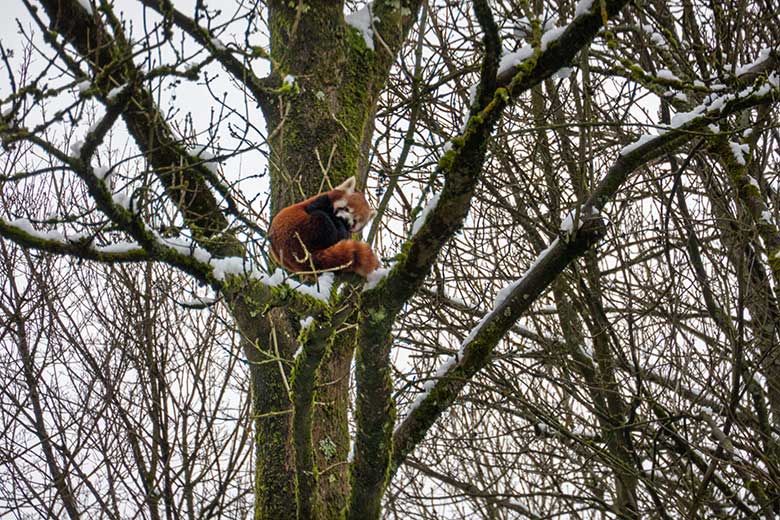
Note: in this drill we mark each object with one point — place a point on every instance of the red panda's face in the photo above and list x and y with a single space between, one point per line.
353 209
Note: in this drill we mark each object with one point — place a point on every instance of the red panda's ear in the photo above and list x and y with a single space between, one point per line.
347 186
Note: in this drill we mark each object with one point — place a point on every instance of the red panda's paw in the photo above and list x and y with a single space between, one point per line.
365 261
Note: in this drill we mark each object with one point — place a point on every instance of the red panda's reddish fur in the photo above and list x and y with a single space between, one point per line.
353 255
297 238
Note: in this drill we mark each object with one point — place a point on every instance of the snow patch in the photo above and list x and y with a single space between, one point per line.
420 220
513 59
361 20
233 265
583 7
308 320
643 139
552 36
87 5
76 146
25 225
200 301
681 118
504 293
187 247
375 277
119 247
763 55
667 75
320 290
217 43
271 280
83 86
658 40
114 92
739 151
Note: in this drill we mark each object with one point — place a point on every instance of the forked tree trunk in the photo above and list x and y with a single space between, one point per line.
318 128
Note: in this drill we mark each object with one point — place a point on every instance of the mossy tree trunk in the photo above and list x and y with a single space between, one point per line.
319 128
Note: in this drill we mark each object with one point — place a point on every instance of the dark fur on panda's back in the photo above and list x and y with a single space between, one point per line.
309 236
332 228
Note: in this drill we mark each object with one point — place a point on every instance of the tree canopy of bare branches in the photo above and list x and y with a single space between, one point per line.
578 221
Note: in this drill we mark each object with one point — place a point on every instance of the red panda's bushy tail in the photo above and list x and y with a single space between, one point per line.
348 255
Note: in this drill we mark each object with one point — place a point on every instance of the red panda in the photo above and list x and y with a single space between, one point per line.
314 235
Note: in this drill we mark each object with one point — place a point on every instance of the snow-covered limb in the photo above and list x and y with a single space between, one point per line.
184 254
684 127
559 45
320 290
475 351
124 219
443 219
568 226
148 127
23 233
460 168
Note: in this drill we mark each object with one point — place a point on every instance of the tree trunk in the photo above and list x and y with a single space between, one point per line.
317 136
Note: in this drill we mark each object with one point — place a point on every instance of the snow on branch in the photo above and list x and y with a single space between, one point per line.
558 47
460 168
515 299
476 349
461 164
685 125
362 20
185 186
22 232
179 252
